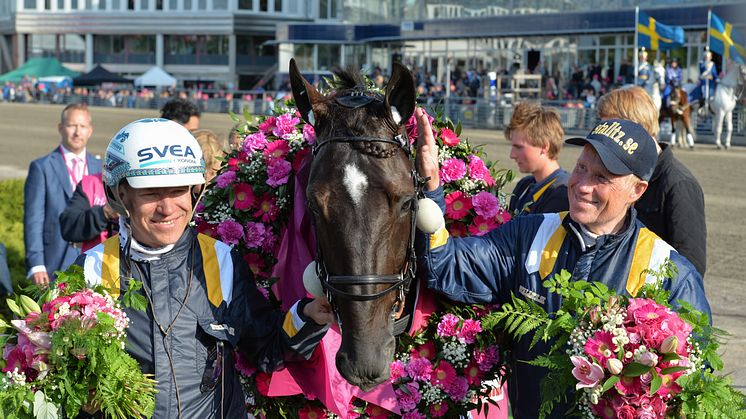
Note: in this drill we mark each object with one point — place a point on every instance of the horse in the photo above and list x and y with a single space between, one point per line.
729 90
362 194
679 111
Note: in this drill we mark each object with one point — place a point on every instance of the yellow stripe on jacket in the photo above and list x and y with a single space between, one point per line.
650 253
110 266
211 268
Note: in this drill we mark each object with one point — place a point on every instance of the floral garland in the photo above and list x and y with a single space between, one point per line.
442 370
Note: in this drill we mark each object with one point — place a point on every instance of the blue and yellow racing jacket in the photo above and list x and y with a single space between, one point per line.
202 303
519 255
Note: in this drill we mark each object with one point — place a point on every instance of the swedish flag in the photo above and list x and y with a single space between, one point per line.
654 35
726 41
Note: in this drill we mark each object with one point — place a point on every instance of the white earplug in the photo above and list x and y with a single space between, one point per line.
429 217
396 115
311 281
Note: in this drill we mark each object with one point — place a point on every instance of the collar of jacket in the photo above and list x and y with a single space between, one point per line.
573 230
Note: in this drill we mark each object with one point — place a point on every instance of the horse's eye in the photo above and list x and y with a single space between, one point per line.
407 206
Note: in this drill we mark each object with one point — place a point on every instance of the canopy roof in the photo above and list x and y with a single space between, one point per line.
98 76
157 77
37 67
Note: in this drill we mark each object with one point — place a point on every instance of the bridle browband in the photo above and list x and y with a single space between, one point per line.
401 281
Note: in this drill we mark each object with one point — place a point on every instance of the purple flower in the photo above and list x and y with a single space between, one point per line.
225 179
254 142
413 415
285 125
451 170
469 331
254 234
277 172
458 389
420 369
448 325
408 396
485 204
487 358
270 240
230 232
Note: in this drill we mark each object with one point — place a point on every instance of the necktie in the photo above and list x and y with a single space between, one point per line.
76 175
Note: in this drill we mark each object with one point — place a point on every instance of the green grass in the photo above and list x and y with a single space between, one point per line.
11 226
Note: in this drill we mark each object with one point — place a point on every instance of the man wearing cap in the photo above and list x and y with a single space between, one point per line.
599 239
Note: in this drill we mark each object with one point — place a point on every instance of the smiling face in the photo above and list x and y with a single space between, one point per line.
158 216
529 158
599 199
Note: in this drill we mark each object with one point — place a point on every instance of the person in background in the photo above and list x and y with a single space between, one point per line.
6 283
49 185
235 138
673 206
673 79
212 150
536 137
182 111
708 79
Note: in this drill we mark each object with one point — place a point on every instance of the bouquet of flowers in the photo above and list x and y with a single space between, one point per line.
626 357
248 204
69 355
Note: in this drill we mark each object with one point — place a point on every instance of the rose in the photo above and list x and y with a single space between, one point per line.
588 374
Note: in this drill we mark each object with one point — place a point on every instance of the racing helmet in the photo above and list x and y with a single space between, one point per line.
152 153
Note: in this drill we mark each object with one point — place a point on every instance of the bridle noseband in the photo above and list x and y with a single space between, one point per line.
396 282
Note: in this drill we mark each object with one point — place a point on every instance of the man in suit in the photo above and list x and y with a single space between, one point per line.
49 185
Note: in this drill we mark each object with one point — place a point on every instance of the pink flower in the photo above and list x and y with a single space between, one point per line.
206 228
243 196
233 164
309 134
478 171
255 262
438 409
277 150
456 229
443 375
487 358
270 240
502 216
285 125
451 170
412 130
254 235
604 409
413 415
449 137
600 346
481 226
278 171
398 370
469 331
230 232
254 142
448 325
485 204
458 389
625 412
630 385
376 412
268 125
420 369
457 205
267 209
311 412
408 396
225 179
473 374
588 374
426 350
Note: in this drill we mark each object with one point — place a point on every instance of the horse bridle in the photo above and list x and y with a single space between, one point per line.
396 282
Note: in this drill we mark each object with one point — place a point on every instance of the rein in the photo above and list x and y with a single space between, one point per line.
399 282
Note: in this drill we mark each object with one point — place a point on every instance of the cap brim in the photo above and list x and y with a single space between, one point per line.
610 160
166 181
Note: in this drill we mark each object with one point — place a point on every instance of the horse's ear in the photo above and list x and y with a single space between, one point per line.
400 93
304 94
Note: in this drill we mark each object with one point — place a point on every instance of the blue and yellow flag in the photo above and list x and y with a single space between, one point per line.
726 41
654 35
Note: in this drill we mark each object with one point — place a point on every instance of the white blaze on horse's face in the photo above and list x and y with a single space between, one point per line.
355 181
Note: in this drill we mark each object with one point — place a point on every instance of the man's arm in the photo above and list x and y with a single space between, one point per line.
688 286
34 204
79 221
685 212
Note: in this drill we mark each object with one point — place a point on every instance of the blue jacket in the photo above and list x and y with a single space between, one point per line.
535 198
519 255
46 193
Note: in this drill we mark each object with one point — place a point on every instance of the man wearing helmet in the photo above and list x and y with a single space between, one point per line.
202 300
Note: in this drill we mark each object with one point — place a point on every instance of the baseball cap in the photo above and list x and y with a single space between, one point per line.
623 146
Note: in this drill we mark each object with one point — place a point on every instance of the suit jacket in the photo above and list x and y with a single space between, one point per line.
46 193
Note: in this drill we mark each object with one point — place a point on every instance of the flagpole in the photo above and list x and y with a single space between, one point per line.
709 20
637 60
707 82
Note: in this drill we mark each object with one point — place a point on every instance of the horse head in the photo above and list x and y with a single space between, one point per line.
362 192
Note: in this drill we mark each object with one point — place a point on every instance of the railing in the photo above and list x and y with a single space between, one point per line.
473 113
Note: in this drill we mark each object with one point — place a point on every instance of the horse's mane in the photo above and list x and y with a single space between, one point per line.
348 78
